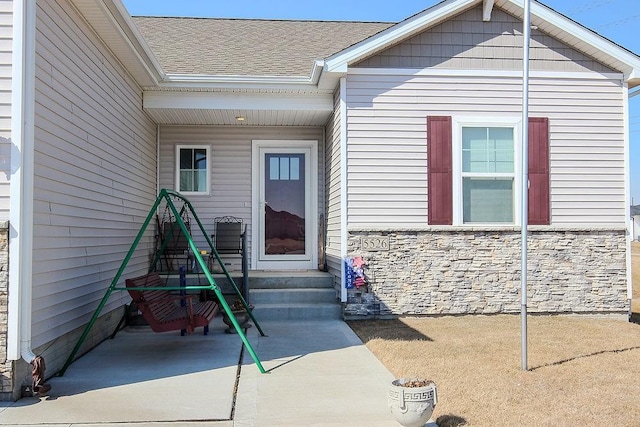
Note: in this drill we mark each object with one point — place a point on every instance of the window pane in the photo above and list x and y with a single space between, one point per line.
186 181
295 168
487 200
186 158
501 140
200 177
487 150
284 168
200 159
274 168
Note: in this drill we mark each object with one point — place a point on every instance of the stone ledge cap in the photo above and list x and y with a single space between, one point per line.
487 228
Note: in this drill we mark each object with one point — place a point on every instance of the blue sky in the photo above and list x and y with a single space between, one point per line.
618 20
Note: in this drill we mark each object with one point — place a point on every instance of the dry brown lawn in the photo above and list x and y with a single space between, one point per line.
582 371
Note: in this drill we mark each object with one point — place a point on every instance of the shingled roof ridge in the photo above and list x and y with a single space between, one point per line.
265 19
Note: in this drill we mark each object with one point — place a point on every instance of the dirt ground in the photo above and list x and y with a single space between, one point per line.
582 371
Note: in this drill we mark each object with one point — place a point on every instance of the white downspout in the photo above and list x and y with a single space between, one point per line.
157 159
21 185
343 185
627 192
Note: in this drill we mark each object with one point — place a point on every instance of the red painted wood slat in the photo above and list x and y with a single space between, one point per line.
539 193
439 167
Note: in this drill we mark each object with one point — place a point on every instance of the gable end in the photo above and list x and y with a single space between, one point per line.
466 42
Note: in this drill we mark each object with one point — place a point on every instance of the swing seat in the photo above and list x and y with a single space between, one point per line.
164 311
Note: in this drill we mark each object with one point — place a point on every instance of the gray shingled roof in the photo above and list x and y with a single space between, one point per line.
246 46
635 210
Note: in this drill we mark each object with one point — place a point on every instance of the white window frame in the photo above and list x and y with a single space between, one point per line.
207 149
479 121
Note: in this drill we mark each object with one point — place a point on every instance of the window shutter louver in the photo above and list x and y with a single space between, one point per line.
539 203
439 169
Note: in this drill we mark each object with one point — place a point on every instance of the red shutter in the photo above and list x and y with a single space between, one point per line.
439 162
539 204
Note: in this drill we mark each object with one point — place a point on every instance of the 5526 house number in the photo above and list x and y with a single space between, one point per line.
374 243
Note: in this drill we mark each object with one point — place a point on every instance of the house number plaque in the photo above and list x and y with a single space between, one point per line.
375 243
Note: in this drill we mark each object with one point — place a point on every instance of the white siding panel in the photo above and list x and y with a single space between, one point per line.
95 173
6 41
387 141
230 169
333 193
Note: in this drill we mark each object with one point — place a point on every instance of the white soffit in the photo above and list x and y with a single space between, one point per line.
222 108
112 23
197 117
237 101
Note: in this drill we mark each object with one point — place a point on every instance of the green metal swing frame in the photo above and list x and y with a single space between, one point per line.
167 195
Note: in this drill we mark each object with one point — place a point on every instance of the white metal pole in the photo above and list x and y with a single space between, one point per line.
524 211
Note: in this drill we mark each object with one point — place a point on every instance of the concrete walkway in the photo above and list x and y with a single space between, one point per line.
319 374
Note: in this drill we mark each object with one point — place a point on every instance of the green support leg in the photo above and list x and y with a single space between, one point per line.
164 194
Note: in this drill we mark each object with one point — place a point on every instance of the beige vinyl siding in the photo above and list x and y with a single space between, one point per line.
95 173
6 49
333 193
387 141
230 192
465 42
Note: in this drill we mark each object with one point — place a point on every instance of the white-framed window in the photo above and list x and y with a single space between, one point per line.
486 171
193 169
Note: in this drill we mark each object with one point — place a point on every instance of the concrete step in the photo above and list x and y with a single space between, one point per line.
292 296
290 279
262 279
282 295
315 311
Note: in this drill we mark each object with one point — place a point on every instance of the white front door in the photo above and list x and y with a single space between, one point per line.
284 232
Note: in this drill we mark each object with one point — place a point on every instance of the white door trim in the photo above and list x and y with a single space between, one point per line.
258 206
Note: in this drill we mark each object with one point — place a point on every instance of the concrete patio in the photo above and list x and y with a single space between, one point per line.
319 373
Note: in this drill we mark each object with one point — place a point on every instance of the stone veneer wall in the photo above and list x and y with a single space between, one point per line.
463 271
6 366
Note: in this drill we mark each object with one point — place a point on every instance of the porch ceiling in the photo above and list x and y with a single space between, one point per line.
223 108
176 116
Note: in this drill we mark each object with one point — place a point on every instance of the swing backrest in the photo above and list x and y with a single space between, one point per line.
177 242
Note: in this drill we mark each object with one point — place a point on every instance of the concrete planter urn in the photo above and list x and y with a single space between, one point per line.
412 401
240 314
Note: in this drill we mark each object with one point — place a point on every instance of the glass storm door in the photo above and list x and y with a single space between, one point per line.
285 222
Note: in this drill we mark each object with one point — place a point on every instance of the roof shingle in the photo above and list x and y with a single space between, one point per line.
248 47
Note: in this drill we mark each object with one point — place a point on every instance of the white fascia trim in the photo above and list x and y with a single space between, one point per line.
238 80
122 22
237 101
598 42
175 80
445 72
316 71
339 62
633 79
